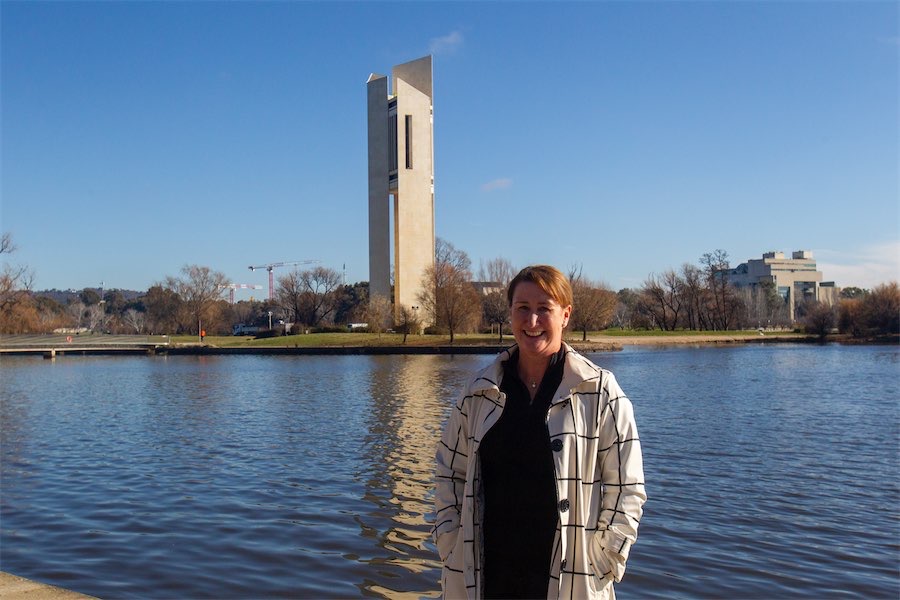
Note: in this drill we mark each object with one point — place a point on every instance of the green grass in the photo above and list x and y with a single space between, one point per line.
616 332
313 340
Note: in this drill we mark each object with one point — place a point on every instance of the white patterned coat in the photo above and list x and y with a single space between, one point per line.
599 481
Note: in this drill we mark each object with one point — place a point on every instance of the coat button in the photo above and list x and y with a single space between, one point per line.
557 445
563 505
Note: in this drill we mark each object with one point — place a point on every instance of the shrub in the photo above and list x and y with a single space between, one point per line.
329 329
819 319
436 330
876 313
850 319
268 333
881 309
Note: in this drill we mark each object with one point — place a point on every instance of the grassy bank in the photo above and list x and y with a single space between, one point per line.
613 337
614 332
327 340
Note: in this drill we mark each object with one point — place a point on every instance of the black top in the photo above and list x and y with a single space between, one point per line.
520 512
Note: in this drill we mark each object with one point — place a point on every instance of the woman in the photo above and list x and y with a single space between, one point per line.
539 481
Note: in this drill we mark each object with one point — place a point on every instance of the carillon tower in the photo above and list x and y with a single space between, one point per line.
401 179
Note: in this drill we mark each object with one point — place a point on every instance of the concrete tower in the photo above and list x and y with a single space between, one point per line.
401 169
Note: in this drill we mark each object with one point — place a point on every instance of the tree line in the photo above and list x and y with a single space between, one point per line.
455 299
700 297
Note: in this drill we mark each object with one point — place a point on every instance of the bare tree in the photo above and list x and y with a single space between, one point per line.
693 293
763 306
621 316
200 288
378 314
134 319
447 293
818 318
7 246
446 253
311 295
593 304
321 285
497 270
626 308
17 314
75 311
96 317
494 305
654 305
495 311
244 312
407 321
725 302
674 296
289 294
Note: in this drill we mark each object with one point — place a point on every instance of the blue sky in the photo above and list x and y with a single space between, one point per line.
628 138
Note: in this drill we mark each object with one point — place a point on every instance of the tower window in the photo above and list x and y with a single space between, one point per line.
409 156
392 140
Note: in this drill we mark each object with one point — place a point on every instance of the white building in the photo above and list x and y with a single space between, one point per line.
796 279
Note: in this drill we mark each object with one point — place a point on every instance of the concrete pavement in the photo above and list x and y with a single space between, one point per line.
19 588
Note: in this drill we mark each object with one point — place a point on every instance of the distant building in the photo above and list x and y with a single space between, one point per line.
485 288
796 279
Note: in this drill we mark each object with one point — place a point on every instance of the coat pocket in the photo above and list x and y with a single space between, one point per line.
454 560
453 576
601 565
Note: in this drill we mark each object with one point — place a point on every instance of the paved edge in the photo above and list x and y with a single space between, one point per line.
595 344
13 587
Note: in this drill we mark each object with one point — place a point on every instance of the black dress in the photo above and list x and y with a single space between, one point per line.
520 510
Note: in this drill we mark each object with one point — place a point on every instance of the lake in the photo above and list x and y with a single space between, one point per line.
772 471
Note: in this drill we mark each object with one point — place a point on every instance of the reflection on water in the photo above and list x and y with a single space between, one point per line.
771 470
227 477
411 396
405 405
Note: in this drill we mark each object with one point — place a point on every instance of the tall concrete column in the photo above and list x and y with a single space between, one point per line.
379 201
401 164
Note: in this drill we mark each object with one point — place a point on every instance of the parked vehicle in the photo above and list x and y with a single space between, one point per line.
241 329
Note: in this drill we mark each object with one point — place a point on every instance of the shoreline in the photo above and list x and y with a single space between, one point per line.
696 339
13 587
596 343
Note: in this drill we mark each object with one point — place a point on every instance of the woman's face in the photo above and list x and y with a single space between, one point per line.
537 320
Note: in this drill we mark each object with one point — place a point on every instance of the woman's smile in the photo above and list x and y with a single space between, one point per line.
537 320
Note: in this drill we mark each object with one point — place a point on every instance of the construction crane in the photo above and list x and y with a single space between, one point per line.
272 266
238 286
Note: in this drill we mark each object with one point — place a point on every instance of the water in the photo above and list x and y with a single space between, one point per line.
772 472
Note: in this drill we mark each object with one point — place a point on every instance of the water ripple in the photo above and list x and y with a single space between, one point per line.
772 471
